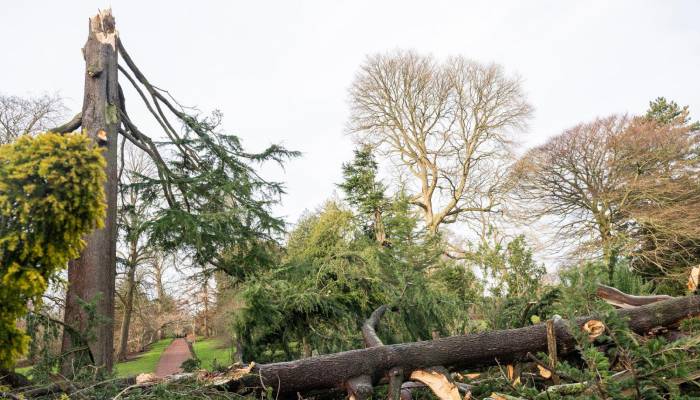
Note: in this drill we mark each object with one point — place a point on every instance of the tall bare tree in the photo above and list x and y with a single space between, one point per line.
161 309
448 124
134 209
606 182
664 155
568 180
21 116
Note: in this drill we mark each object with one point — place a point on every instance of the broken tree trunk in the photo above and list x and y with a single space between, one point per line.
466 351
91 276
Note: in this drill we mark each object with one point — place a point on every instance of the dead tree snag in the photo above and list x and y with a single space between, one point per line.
91 276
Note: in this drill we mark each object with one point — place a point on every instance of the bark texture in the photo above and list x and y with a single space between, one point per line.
467 351
91 276
128 309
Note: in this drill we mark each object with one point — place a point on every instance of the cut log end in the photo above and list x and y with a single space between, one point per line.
438 382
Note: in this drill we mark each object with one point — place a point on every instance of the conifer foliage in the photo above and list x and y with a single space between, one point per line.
50 196
342 262
217 207
364 192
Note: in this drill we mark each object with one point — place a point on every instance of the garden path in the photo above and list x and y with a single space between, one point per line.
171 359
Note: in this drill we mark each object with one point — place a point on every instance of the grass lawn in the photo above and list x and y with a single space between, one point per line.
209 350
146 362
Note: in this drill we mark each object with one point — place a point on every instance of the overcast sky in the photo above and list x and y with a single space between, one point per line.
280 70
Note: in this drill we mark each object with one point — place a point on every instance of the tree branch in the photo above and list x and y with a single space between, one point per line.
623 300
69 126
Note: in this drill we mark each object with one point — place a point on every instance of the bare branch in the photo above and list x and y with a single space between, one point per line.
447 124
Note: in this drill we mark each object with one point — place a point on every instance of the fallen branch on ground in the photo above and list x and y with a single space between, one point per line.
332 371
382 364
623 300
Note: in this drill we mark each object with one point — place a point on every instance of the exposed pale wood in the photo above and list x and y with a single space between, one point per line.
694 279
408 387
510 372
438 382
544 369
594 328
502 396
552 350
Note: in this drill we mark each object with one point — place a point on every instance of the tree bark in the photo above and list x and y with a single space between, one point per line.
466 351
128 309
158 267
91 276
238 356
205 293
306 351
379 230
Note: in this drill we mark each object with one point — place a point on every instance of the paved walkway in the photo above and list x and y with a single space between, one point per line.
173 356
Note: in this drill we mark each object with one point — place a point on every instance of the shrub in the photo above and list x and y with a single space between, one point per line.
51 194
191 365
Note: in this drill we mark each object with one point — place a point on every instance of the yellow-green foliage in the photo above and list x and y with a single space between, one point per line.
51 194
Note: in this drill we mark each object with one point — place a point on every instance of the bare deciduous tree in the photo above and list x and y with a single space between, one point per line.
135 207
166 310
568 179
611 183
662 194
447 123
20 116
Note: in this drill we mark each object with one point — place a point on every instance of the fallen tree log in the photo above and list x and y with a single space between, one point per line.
465 351
436 378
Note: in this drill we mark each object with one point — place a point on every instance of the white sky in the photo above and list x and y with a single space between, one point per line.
280 70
